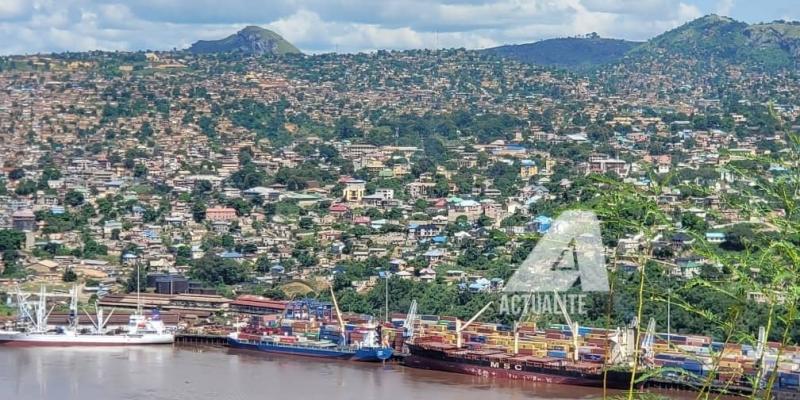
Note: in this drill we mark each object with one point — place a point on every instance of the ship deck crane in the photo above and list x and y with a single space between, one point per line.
338 315
761 345
573 327
460 327
649 338
524 318
101 322
408 324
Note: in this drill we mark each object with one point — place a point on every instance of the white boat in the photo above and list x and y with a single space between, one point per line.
141 330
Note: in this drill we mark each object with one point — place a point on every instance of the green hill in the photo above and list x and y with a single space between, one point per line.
250 40
567 52
722 39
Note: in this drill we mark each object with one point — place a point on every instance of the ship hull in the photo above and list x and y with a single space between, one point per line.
43 340
612 380
368 355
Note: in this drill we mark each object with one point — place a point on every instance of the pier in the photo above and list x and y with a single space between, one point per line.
199 339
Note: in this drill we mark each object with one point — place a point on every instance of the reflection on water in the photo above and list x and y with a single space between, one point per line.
175 373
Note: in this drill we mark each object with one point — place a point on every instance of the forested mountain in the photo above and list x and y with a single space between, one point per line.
567 52
250 40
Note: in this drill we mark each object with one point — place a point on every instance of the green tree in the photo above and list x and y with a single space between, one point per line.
139 171
213 270
74 198
69 275
26 187
198 212
16 174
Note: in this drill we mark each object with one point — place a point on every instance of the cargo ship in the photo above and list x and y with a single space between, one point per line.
526 353
499 364
586 356
141 330
367 350
311 339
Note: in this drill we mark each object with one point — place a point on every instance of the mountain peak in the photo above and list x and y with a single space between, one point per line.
253 40
718 38
571 52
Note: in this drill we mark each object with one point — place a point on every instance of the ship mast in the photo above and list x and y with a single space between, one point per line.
73 308
138 296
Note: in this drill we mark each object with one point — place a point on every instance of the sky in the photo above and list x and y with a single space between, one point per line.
316 26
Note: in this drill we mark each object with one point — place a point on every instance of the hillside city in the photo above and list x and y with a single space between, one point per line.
224 176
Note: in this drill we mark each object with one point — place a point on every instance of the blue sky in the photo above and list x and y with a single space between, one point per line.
31 26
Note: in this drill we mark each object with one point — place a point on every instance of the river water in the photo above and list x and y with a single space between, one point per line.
203 373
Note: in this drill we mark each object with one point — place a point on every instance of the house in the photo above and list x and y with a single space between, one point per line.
540 224
220 214
427 275
715 237
23 220
354 190
405 275
600 164
435 256
339 210
457 207
681 239
480 285
527 169
426 231
231 255
46 269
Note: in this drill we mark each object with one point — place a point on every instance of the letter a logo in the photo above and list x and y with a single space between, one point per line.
571 249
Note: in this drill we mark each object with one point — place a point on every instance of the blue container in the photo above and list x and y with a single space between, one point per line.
591 357
789 378
672 357
557 354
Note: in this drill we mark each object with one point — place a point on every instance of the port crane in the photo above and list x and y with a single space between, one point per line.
408 324
573 326
649 339
460 328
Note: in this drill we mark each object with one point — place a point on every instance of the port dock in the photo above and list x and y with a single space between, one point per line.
200 339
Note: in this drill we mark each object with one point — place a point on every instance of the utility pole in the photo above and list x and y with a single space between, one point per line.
387 296
669 316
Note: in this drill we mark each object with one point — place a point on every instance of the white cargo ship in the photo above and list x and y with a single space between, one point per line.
141 330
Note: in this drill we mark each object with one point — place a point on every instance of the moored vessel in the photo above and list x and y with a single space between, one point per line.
499 364
141 330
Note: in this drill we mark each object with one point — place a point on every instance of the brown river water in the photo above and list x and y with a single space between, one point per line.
204 373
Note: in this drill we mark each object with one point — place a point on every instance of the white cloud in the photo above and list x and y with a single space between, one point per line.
724 7
14 9
29 26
